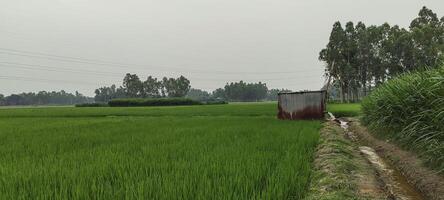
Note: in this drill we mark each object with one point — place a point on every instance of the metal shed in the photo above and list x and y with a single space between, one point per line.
302 105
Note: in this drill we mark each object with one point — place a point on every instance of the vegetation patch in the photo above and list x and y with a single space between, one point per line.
339 171
134 102
410 110
92 105
344 109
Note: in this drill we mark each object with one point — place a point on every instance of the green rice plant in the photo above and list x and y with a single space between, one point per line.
410 110
344 109
186 152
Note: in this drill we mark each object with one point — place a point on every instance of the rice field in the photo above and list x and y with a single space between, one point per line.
345 109
238 151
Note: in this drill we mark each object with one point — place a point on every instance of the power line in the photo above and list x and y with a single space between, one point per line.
20 78
56 69
32 79
124 65
111 74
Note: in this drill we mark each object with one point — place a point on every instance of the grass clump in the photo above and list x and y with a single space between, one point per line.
134 102
410 110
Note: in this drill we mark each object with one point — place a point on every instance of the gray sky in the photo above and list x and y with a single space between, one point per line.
209 41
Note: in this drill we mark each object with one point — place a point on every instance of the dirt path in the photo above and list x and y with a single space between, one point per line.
340 171
394 184
352 164
409 173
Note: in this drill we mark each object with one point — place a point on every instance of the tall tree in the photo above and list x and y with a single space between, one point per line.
359 57
427 34
151 87
241 91
2 100
198 95
175 87
132 85
333 55
219 93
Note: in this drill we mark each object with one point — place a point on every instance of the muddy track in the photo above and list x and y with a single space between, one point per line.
407 167
352 164
394 184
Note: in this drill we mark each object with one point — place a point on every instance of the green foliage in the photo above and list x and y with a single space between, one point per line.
152 102
104 94
344 109
241 91
410 109
214 102
151 88
44 98
219 93
178 87
234 152
198 95
92 105
359 57
133 87
272 95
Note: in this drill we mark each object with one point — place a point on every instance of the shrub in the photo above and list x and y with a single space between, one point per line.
215 102
92 105
152 102
410 110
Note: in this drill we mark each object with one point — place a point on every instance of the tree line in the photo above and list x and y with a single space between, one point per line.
44 98
133 87
237 91
359 58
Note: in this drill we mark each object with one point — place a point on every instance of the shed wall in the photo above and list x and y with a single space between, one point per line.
309 105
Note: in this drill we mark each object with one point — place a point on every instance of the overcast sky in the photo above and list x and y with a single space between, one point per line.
83 44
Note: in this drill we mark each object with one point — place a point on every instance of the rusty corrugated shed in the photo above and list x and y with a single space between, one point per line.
302 105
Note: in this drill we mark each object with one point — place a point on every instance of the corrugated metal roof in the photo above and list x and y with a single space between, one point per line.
301 92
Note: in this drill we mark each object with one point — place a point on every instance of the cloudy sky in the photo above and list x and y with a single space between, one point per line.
83 44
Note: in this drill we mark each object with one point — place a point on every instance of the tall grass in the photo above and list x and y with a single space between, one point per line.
196 152
410 110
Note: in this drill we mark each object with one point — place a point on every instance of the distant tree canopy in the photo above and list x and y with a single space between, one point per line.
272 94
358 57
198 95
133 87
44 98
241 91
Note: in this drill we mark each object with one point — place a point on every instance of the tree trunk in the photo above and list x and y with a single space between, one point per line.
342 93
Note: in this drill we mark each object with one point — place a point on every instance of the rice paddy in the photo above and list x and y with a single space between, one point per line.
237 151
345 109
